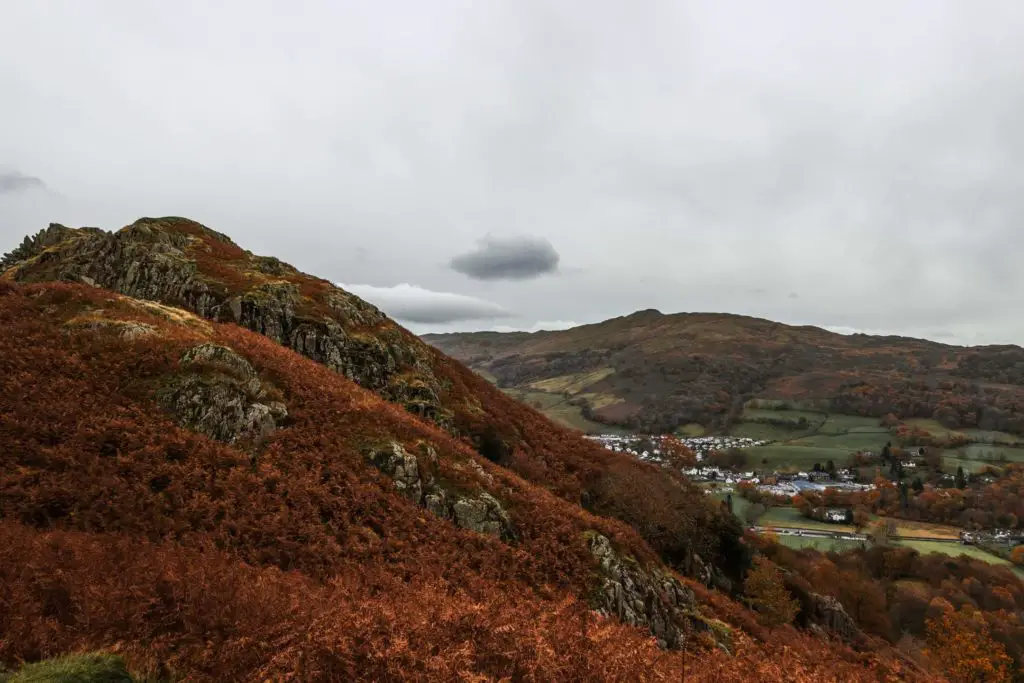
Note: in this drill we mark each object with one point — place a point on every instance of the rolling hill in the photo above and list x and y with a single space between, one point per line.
654 372
220 468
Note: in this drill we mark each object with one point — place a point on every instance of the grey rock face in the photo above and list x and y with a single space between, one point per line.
643 597
155 259
829 613
221 396
402 467
482 512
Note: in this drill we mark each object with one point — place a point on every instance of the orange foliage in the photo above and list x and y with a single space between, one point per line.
121 529
962 645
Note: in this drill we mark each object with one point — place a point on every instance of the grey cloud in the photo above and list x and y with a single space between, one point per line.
514 258
409 303
12 181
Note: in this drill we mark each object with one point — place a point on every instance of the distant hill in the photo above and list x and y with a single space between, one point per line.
655 372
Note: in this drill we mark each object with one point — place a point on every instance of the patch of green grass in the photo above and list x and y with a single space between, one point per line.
765 432
931 426
951 462
990 437
80 668
992 453
572 384
849 443
691 429
793 416
789 517
846 424
487 375
955 549
559 410
824 545
782 456
739 504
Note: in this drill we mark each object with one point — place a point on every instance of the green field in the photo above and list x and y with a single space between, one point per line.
766 432
854 441
992 453
826 436
955 549
792 416
788 517
852 424
824 545
559 410
988 437
798 457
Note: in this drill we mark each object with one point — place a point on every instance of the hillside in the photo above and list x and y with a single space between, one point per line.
181 263
654 372
211 505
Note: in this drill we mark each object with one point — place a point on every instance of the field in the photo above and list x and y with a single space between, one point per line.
955 549
797 457
559 410
825 436
825 545
787 517
905 527
572 384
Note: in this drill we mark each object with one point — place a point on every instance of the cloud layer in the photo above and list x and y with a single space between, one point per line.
513 258
409 303
12 181
684 155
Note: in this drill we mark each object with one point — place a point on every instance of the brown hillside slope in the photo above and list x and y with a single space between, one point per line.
654 372
218 507
182 263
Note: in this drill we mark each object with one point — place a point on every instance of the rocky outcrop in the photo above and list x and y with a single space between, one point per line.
828 613
168 260
821 613
649 597
221 395
480 512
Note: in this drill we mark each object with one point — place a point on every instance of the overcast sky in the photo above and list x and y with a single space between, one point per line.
520 164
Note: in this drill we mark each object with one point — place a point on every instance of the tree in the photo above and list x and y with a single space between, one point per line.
917 485
961 644
830 467
766 593
961 480
1017 556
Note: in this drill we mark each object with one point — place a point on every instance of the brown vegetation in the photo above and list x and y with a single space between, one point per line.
298 560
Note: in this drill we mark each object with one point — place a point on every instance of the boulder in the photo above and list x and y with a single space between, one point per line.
219 394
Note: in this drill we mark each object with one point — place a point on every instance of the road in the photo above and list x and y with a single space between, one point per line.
843 535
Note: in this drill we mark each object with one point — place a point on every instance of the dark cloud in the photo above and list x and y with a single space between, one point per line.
12 181
515 258
408 303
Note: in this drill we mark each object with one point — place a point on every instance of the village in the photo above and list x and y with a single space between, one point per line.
774 482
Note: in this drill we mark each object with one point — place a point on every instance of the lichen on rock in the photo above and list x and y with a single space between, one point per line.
480 512
172 260
646 596
219 394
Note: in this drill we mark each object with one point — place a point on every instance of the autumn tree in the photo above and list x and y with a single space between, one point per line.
961 644
766 593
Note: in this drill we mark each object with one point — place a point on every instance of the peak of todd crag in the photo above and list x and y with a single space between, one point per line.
220 468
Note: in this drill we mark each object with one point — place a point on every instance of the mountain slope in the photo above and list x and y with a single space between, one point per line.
217 507
656 372
181 263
